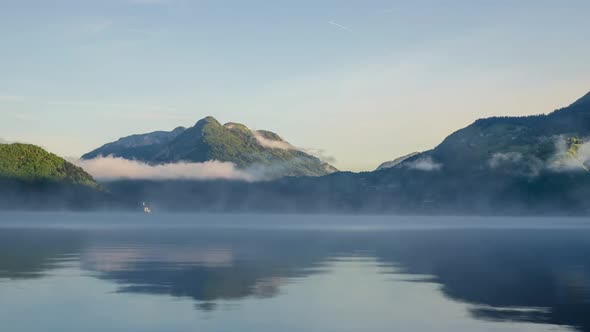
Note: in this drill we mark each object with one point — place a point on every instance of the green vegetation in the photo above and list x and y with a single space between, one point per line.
574 145
494 166
30 162
532 138
209 140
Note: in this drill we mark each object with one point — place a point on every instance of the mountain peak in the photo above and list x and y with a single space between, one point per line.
208 140
207 120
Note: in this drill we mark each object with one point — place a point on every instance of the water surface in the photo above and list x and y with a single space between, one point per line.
83 272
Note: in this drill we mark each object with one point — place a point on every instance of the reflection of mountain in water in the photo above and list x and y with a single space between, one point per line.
208 265
515 275
31 254
505 272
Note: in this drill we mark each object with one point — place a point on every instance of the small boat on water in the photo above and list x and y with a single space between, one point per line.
146 208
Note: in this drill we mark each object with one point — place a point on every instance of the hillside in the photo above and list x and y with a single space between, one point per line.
34 179
519 165
209 140
30 162
525 145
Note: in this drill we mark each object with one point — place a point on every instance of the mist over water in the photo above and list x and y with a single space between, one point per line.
292 272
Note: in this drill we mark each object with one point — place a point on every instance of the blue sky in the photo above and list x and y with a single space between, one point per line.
362 81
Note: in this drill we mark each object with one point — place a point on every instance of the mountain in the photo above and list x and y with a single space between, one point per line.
396 161
209 140
30 162
535 165
526 145
34 179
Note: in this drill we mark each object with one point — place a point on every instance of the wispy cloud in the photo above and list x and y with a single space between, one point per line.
270 143
500 159
517 163
426 164
111 168
340 26
284 145
320 153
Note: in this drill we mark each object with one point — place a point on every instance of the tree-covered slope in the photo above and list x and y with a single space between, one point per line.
34 179
30 162
495 166
233 142
524 144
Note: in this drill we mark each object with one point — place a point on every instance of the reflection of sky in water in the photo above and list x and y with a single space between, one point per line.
120 259
290 280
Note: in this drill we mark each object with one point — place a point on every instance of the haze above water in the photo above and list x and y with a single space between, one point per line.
108 272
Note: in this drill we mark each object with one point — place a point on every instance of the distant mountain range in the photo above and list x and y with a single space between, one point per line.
500 165
524 145
209 140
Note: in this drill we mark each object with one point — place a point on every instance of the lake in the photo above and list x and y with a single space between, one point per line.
127 272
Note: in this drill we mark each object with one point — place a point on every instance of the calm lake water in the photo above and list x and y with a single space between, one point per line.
107 272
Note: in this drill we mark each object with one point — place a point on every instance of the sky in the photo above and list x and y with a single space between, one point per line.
361 82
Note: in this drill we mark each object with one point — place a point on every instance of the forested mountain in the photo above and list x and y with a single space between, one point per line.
500 165
34 179
30 162
209 140
510 165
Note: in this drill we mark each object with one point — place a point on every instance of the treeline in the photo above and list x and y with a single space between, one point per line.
46 194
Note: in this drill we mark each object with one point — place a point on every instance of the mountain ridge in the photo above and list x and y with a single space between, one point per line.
209 140
495 166
530 139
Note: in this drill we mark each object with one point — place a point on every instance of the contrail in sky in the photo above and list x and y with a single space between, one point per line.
340 26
